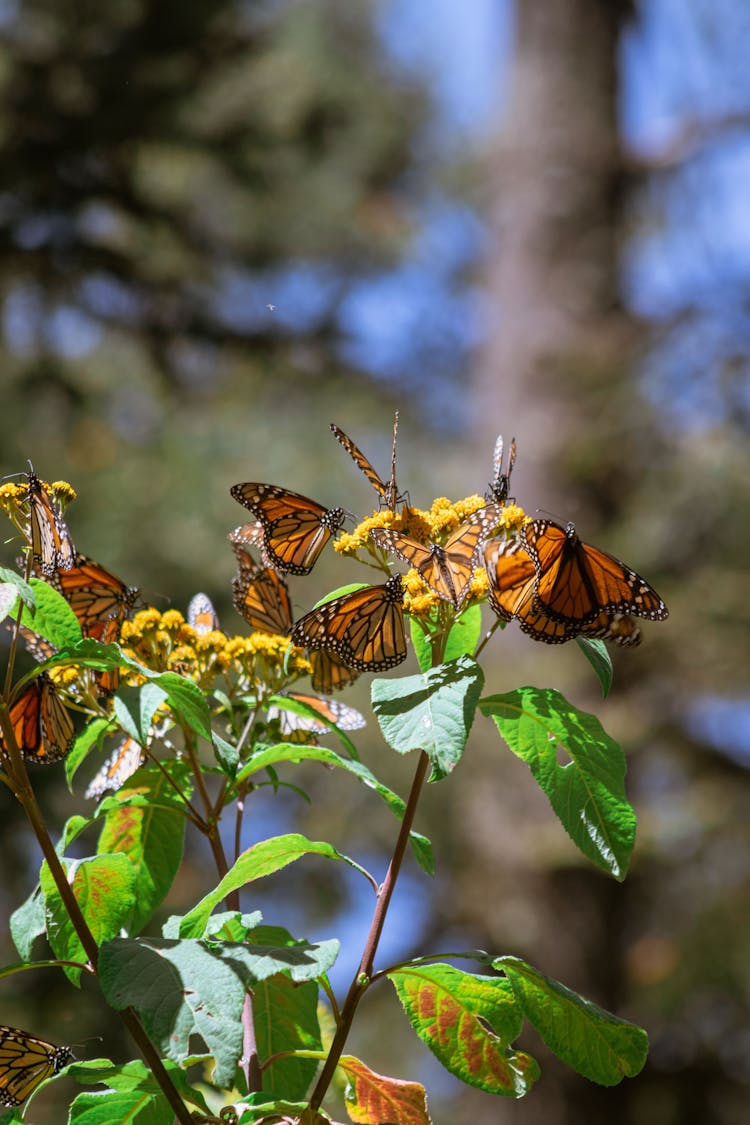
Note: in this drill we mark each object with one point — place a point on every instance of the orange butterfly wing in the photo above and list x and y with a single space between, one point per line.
295 528
51 545
125 759
576 582
447 569
343 716
329 673
41 724
202 615
94 594
388 493
25 1061
364 629
512 577
260 595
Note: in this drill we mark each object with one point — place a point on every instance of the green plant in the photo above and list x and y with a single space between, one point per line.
224 1007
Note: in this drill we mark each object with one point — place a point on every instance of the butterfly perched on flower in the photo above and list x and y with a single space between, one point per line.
260 594
512 579
447 568
387 491
499 486
202 615
94 594
41 723
25 1061
364 629
295 528
333 710
52 548
575 583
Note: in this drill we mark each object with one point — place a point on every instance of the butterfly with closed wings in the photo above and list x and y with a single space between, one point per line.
499 486
295 528
42 726
52 548
388 492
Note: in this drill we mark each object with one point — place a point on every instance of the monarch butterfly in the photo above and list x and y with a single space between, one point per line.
343 716
260 594
25 1062
125 759
576 582
388 493
329 673
447 569
42 726
365 629
499 486
512 578
202 615
295 529
52 548
94 594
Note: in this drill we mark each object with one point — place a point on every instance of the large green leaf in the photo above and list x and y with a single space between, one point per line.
468 1022
587 792
53 618
104 888
591 1040
432 711
178 988
150 835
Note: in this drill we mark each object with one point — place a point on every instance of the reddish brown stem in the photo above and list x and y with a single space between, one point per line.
361 979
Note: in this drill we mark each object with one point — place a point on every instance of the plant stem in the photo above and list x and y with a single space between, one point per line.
361 980
27 799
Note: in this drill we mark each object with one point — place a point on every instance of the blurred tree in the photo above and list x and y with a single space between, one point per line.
571 368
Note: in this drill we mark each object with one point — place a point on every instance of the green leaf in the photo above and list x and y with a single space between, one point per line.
432 711
421 642
53 619
134 1095
178 988
151 835
261 859
104 888
591 1040
597 654
468 1022
20 589
588 792
286 1019
296 752
27 923
90 736
374 1097
187 702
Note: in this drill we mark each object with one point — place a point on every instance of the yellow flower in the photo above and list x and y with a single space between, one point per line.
64 493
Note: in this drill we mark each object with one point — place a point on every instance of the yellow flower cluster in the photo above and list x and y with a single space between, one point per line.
166 642
432 526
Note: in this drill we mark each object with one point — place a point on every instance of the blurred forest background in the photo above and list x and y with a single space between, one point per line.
226 223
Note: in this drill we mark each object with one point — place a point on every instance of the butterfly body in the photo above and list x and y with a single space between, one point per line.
295 528
364 629
25 1062
576 582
